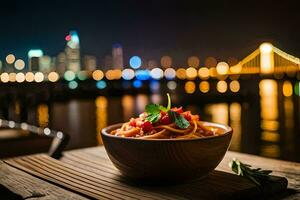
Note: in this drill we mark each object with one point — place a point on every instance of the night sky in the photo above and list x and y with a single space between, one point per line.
150 28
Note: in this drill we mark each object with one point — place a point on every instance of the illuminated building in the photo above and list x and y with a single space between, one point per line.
45 64
61 63
89 63
117 56
33 59
72 51
34 64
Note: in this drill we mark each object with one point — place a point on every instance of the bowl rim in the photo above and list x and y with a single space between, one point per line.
228 131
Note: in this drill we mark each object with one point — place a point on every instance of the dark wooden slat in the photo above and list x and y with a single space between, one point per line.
90 177
49 178
84 183
49 167
86 179
26 185
94 166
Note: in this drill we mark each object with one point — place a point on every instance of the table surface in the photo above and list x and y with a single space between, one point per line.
25 185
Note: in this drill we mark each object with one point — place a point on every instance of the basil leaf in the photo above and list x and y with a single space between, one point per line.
153 118
179 120
152 109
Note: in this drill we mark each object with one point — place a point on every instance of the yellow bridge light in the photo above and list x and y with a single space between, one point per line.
266 48
222 68
266 58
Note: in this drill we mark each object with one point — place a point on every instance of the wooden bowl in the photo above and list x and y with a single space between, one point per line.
166 160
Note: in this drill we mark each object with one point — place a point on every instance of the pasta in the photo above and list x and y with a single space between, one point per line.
173 124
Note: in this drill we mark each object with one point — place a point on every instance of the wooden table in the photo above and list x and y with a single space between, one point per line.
26 185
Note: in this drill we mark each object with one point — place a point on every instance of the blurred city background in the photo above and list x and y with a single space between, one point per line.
255 88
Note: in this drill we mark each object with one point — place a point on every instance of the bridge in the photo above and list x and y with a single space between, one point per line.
267 59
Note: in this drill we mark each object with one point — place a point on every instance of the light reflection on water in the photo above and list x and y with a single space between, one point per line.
266 125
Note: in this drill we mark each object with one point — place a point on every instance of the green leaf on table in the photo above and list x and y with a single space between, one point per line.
256 175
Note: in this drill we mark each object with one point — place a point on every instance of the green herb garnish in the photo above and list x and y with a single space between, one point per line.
256 175
179 120
153 110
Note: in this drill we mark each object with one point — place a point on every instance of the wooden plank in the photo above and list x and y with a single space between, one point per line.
76 179
26 185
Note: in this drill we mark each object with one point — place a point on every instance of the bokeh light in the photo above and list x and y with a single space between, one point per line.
157 73
101 84
97 75
29 77
12 77
154 86
222 86
181 73
287 89
171 85
166 61
189 87
212 72
117 73
73 85
203 73
222 68
191 73
4 77
128 74
69 75
82 75
20 77
137 84
234 86
38 77
113 74
297 88
193 61
204 86
170 73
135 62
10 58
19 64
210 62
53 76
109 75
142 75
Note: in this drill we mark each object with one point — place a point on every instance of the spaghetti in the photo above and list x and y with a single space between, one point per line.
166 124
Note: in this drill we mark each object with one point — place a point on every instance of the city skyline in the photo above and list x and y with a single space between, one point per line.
150 29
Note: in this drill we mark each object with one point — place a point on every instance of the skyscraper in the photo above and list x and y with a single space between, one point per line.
45 64
33 59
117 56
72 51
89 63
61 63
